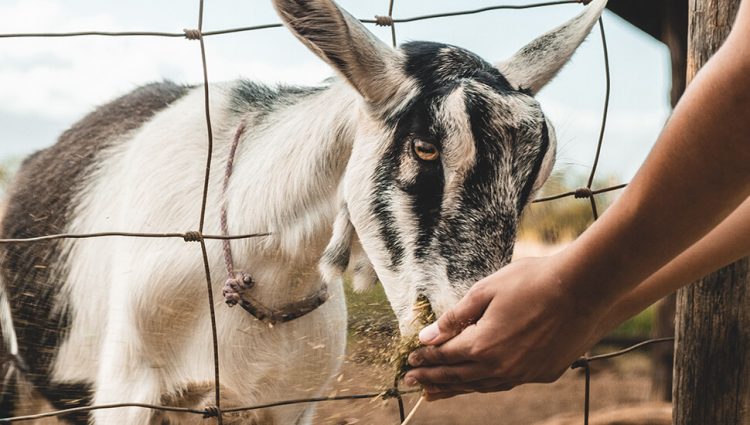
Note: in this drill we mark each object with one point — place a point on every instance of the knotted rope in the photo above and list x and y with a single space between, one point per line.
238 284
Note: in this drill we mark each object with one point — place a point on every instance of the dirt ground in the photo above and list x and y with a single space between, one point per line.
621 382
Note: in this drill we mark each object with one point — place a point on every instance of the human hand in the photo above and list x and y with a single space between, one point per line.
518 325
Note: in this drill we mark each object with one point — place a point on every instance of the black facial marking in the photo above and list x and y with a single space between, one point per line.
384 176
477 237
427 196
41 202
439 70
434 64
425 192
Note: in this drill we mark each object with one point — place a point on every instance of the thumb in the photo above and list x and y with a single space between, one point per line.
468 310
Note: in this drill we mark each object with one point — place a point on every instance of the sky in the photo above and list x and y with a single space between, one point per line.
47 84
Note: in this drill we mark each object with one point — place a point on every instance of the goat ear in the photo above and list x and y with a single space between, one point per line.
341 40
532 67
342 248
362 272
336 256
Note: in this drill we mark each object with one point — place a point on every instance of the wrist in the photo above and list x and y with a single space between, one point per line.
592 282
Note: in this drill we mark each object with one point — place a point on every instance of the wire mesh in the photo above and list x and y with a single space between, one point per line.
198 34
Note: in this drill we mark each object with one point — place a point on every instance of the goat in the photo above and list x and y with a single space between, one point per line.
417 161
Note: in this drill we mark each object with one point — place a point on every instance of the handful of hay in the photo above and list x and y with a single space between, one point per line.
406 345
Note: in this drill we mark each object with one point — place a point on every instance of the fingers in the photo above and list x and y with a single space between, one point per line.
468 310
437 356
456 374
454 351
439 392
442 395
484 386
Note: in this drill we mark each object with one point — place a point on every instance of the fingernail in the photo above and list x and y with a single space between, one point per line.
415 360
429 333
411 381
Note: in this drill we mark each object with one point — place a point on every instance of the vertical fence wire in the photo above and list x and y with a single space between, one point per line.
393 25
605 112
198 236
202 221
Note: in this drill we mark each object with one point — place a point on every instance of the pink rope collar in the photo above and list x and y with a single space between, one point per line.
238 285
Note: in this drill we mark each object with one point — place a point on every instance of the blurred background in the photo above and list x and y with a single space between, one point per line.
46 84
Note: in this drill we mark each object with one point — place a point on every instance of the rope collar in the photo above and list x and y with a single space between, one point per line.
239 284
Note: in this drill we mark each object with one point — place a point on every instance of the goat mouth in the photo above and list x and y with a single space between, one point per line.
423 312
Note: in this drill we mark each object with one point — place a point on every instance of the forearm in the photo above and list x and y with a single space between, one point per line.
697 173
725 244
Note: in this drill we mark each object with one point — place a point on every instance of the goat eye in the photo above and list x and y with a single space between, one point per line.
426 150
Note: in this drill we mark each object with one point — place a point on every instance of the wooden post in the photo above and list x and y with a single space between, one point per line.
712 359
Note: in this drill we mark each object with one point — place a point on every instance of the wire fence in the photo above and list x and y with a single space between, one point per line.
198 34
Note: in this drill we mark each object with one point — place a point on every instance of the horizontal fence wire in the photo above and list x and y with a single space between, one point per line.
216 411
186 236
279 25
208 412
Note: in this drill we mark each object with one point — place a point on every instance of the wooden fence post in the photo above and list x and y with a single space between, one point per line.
712 358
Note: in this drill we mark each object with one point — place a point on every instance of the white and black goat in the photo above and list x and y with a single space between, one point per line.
423 156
